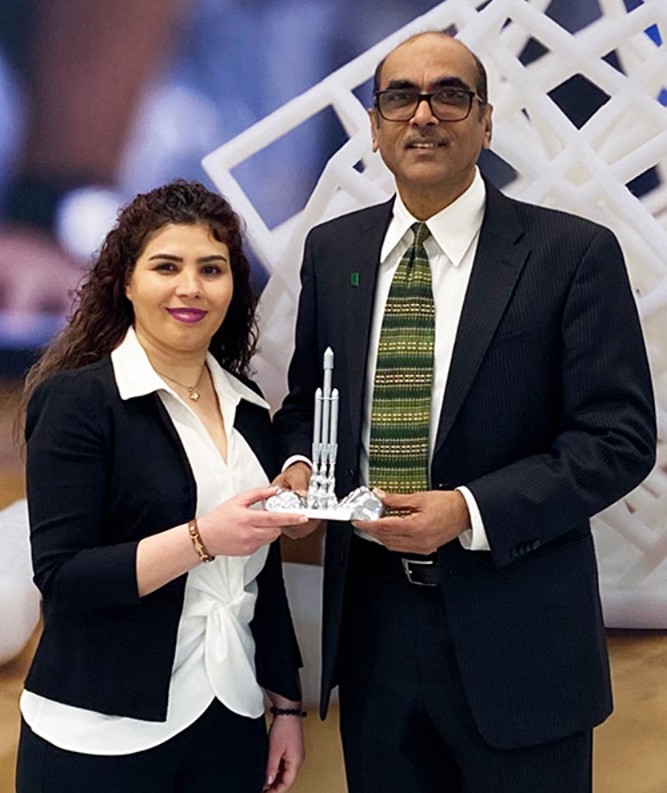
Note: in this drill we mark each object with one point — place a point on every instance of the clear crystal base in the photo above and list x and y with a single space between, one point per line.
360 504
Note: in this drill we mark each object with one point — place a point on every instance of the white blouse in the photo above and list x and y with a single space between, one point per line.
215 649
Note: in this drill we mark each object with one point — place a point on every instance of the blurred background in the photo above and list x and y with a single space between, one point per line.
102 100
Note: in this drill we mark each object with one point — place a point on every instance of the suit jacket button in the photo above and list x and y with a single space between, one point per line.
536 544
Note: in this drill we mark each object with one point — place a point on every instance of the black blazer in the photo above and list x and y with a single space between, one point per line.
103 473
547 418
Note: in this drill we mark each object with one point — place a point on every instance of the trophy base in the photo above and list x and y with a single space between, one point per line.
361 504
332 513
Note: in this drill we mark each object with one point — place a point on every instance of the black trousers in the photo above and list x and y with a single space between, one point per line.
221 752
405 721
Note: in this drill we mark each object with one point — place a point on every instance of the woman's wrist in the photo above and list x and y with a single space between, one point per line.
198 542
275 711
281 706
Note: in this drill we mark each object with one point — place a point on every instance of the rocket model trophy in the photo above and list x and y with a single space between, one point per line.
325 441
320 501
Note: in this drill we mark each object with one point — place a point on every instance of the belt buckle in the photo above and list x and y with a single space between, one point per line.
407 563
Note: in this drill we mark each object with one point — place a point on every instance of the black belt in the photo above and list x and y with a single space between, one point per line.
422 572
419 570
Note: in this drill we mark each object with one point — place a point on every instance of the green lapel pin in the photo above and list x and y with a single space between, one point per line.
354 279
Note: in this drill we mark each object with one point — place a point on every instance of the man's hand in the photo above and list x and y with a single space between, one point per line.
296 478
433 518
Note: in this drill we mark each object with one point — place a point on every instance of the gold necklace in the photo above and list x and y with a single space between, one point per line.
193 393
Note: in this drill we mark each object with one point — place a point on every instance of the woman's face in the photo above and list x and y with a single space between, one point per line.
180 288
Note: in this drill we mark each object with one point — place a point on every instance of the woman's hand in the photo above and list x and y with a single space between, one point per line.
286 748
235 529
231 529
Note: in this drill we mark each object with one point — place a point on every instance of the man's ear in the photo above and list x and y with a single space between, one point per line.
374 117
488 132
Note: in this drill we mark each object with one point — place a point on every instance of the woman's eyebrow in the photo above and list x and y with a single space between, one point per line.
173 258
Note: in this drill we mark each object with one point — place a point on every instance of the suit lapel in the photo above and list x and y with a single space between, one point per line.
365 243
501 255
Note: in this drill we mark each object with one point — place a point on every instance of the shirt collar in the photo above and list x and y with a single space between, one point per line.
453 228
136 377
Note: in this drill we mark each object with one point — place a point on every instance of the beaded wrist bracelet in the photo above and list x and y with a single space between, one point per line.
288 712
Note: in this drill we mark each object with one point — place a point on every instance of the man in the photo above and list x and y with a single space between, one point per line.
464 628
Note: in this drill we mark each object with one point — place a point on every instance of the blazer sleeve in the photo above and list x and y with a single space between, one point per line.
277 656
76 567
605 442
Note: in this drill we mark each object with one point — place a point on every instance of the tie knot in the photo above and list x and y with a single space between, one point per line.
421 232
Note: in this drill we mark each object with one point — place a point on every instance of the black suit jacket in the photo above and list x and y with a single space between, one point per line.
547 418
103 473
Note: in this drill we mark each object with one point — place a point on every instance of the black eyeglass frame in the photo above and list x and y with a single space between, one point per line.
427 97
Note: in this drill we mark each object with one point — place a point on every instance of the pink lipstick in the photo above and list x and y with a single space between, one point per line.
188 315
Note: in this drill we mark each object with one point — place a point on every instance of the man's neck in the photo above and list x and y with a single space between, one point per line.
425 203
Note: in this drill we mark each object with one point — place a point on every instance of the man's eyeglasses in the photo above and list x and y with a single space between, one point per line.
447 104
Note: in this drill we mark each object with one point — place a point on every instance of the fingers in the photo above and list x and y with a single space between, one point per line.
282 768
388 523
286 779
263 518
296 477
407 501
398 532
301 530
235 529
272 770
291 480
429 520
271 522
259 518
281 778
282 481
285 521
275 768
254 496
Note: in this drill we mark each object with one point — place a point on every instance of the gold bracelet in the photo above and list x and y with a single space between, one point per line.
197 541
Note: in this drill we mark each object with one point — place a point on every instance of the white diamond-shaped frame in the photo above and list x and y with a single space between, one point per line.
584 170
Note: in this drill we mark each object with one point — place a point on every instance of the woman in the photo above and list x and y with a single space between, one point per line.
164 604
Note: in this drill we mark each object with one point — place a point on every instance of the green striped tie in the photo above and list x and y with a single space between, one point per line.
401 410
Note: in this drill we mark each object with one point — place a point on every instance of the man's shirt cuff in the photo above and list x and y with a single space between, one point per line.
296 458
473 539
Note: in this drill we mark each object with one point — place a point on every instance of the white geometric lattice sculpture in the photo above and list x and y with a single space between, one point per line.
585 170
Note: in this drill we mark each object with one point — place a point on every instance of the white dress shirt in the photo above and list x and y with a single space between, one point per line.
215 648
451 252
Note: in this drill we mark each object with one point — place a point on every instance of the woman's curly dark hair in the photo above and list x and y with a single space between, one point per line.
102 313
